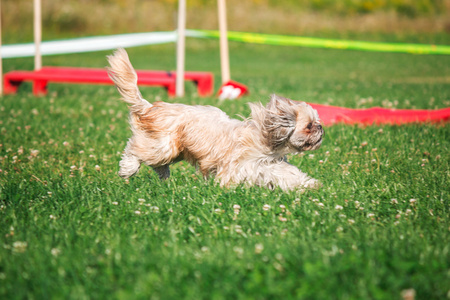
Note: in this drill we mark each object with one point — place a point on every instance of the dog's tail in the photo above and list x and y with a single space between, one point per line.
125 78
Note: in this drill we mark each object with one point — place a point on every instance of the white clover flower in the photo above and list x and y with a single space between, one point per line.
218 211
55 251
320 204
20 247
370 215
338 207
115 203
266 207
155 209
236 206
394 201
259 248
282 219
412 201
351 221
137 212
238 250
97 167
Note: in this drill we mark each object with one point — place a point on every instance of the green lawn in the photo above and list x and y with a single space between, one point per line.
70 228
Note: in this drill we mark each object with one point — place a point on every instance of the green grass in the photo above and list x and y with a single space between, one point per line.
69 227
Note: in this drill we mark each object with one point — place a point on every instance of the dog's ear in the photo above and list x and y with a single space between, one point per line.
279 121
278 103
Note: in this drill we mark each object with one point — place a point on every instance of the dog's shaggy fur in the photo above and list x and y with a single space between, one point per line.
252 151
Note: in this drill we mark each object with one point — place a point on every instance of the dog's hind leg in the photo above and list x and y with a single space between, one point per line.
129 165
162 171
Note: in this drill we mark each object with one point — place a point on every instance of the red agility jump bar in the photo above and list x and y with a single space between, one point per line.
41 78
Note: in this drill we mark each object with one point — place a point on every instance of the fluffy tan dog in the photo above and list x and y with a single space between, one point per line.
252 151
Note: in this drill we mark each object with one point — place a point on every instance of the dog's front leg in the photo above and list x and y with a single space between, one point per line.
289 177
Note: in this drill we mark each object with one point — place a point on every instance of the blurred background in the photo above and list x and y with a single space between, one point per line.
396 20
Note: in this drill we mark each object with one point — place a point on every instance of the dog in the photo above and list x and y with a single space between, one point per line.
252 151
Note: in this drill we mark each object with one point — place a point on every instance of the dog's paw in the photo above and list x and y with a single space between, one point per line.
129 165
313 184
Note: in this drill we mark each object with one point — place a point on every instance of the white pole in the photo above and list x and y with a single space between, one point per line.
224 57
181 47
1 58
37 35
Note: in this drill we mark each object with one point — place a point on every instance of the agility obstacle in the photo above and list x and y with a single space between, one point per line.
173 82
331 115
40 79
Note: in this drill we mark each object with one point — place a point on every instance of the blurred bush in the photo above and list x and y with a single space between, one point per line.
345 7
409 8
71 18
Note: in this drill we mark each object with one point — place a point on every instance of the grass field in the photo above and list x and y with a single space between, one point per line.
70 228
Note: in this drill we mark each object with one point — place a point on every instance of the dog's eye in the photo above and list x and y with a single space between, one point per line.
309 126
